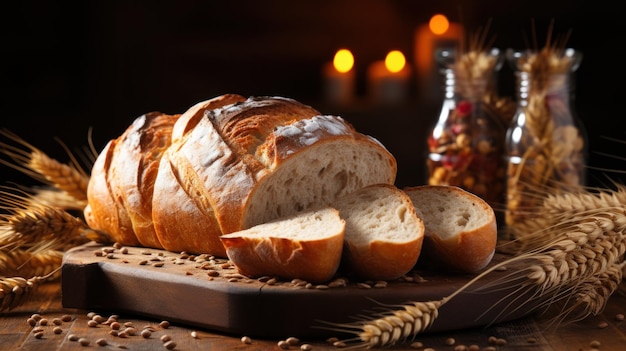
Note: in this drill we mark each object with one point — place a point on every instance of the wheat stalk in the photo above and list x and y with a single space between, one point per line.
33 162
14 290
28 264
37 226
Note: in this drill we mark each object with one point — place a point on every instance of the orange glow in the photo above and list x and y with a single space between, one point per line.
343 60
438 24
395 61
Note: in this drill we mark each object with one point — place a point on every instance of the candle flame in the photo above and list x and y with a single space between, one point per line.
439 24
343 60
395 61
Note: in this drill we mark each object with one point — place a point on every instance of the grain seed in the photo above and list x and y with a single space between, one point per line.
164 324
283 345
66 318
306 347
165 338
146 333
170 345
39 335
101 342
595 344
57 330
83 341
619 317
72 337
246 340
292 341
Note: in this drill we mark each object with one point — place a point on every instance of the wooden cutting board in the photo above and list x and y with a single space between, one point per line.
209 293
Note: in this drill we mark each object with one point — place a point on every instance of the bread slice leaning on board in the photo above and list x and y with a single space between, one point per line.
460 228
307 245
230 163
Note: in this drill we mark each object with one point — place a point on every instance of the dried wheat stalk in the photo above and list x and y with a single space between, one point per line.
28 264
15 290
35 226
70 178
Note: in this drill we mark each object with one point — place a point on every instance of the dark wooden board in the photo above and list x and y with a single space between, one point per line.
183 290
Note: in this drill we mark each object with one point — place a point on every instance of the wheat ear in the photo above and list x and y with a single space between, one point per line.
33 162
28 264
40 227
14 290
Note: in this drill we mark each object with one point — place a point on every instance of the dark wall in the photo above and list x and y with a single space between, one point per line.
71 66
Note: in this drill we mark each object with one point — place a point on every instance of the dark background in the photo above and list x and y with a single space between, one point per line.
71 66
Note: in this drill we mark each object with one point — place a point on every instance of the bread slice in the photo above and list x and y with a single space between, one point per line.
461 232
384 234
307 246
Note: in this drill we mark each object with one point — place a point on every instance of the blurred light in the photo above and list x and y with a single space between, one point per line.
395 61
438 24
343 60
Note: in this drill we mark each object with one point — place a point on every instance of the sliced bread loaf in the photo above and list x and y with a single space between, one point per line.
307 246
384 234
460 228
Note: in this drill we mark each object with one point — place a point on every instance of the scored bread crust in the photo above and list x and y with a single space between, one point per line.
120 193
305 246
384 233
469 248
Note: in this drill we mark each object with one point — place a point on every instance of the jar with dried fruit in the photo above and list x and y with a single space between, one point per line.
466 145
546 142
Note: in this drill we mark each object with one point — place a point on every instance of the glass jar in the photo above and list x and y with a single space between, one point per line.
466 145
546 142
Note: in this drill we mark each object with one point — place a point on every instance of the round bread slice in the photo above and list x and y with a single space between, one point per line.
461 231
384 234
306 246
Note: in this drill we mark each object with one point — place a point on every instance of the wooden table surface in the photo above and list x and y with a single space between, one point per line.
529 333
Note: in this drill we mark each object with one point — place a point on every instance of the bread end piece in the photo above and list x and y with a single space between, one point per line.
460 228
306 246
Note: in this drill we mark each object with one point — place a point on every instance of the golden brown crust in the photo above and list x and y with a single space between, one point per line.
467 251
105 211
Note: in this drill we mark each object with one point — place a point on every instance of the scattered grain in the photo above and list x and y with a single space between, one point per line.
57 321
159 264
363 285
164 324
381 284
37 329
595 344
339 344
101 342
460 348
146 333
117 245
246 340
450 341
39 335
194 334
321 287
130 331
306 347
603 325
84 341
283 345
66 318
500 342
115 325
36 316
31 321
170 345
531 340
129 324
43 321
473 347
165 338
619 317
292 341
98 319
92 324
416 345
143 262
57 330
113 332
72 337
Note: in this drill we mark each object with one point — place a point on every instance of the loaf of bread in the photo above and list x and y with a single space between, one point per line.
229 164
307 245
384 234
460 228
